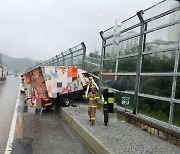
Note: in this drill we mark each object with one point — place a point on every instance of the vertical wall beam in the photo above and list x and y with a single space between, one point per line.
83 56
57 59
117 49
72 62
139 62
173 92
101 61
63 59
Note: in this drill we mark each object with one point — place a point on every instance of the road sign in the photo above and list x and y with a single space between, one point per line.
125 100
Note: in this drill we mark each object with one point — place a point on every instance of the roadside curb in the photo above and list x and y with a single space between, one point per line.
94 144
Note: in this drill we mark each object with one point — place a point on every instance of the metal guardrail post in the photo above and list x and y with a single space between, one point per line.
139 61
84 54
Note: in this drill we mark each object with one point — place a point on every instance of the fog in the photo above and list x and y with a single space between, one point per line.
41 29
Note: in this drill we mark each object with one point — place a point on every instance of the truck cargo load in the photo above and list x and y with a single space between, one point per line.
47 85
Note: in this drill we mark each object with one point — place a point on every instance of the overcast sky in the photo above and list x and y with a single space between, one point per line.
41 29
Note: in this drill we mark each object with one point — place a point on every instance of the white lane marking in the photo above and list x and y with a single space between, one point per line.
13 126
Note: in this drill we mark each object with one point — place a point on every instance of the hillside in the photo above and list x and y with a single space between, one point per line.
18 65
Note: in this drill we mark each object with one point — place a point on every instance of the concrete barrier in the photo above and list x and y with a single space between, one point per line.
93 143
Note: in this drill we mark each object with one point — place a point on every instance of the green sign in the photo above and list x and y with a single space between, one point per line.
125 100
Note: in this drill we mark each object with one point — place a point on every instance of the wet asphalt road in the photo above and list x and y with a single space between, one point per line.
8 96
45 133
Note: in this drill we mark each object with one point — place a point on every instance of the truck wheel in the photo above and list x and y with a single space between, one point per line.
49 107
66 102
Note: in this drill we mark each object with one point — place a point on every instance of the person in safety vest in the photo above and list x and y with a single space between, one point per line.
90 83
108 103
93 97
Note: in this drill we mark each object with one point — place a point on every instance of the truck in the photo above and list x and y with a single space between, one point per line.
3 73
49 85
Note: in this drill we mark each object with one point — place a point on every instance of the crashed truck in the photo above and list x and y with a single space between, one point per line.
3 73
49 85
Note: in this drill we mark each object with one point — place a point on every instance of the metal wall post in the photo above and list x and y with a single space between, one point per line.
72 63
57 60
63 59
53 60
139 62
101 62
83 56
117 51
173 92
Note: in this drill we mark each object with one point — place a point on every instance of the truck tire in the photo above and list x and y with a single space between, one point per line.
49 107
65 101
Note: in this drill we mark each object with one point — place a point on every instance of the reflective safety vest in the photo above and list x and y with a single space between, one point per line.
93 106
103 101
110 100
91 85
94 99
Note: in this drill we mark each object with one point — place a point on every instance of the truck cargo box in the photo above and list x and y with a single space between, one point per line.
47 84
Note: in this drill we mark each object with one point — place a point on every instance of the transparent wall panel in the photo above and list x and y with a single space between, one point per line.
68 62
108 32
127 64
61 63
77 60
129 46
95 68
176 115
94 60
159 86
177 96
79 47
162 39
56 63
109 66
154 108
105 78
160 8
170 18
87 58
68 56
118 100
87 67
130 33
128 82
130 22
110 40
79 66
78 53
110 52
108 77
159 62
96 73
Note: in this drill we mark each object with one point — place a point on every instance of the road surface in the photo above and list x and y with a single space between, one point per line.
8 96
44 133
